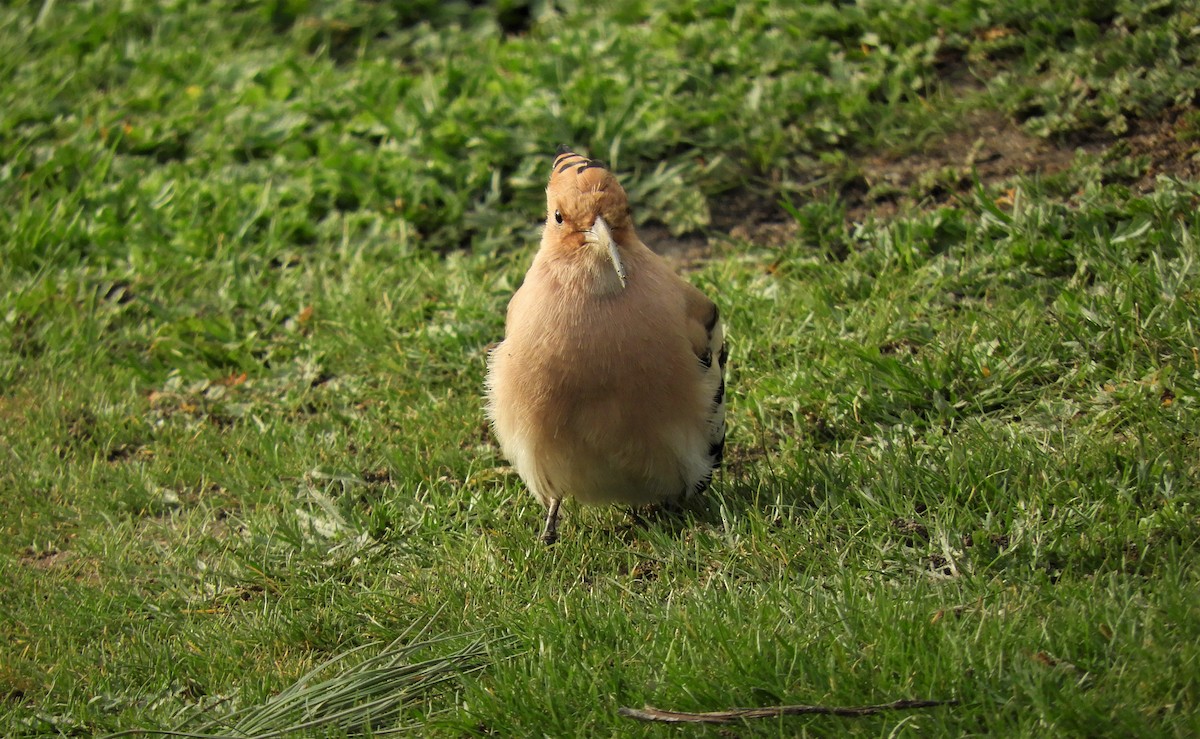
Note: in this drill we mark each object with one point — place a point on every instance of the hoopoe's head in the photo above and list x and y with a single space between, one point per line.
586 208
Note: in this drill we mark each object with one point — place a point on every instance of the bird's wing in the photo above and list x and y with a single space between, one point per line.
707 337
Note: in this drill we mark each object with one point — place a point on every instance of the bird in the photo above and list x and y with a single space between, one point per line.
609 383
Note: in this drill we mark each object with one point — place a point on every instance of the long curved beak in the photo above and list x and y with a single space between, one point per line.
599 235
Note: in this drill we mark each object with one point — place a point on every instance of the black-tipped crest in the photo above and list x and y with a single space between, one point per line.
566 159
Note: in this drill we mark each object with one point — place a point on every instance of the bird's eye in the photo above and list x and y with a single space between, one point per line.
557 217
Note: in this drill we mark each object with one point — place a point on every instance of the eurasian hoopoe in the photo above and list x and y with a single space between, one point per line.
610 382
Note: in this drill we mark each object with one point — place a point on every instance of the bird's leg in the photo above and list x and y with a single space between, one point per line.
670 507
550 533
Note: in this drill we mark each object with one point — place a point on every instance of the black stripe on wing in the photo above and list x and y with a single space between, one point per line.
716 448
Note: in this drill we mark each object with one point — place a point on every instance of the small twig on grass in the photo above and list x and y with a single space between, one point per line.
650 713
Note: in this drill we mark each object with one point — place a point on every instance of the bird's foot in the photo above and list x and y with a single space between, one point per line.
669 508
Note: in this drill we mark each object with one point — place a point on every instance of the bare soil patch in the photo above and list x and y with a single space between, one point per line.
61 561
989 147
1170 144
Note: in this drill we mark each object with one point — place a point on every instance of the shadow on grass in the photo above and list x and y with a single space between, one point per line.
731 498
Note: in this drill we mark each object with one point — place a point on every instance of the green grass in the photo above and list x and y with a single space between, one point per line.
253 254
